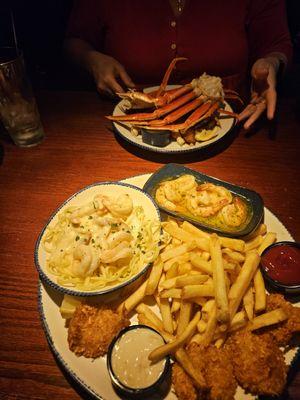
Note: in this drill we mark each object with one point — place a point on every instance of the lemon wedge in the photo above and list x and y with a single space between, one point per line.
68 306
202 135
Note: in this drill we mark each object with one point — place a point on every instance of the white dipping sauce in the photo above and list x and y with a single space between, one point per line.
129 359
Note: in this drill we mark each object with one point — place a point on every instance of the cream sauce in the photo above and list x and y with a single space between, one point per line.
130 361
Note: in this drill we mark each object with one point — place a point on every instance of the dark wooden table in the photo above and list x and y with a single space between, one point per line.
80 148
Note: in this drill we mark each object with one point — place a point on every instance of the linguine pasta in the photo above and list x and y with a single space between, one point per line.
100 244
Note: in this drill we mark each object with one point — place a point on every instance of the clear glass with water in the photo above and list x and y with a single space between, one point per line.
18 109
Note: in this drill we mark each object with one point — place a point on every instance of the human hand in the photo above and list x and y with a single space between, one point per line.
110 76
263 91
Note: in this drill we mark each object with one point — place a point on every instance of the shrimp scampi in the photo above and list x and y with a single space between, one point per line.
201 200
101 242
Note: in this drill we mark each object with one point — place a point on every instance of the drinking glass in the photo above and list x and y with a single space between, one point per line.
18 109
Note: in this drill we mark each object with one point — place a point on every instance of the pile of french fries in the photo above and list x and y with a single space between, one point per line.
205 287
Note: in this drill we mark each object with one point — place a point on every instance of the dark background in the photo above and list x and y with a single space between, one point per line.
40 27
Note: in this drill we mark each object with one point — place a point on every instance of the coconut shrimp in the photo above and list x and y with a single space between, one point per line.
234 214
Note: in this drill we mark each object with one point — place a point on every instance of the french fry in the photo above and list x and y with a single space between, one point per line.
219 280
168 283
196 338
161 281
201 326
166 315
208 306
143 320
260 231
174 325
143 309
154 277
197 300
184 316
260 292
176 242
229 266
171 293
267 319
176 303
238 321
184 236
254 243
239 288
190 280
181 259
185 361
160 352
184 268
233 244
219 342
201 264
248 302
269 239
234 255
206 338
172 271
205 255
178 251
206 290
195 231
134 299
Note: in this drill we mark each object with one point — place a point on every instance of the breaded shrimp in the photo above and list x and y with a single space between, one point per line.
283 332
217 370
216 367
258 363
183 384
92 328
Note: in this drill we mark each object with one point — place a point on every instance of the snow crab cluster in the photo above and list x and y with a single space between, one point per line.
176 110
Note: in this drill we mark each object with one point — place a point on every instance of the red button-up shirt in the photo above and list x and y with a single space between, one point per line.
218 37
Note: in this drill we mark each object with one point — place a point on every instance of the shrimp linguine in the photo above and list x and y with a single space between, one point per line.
101 243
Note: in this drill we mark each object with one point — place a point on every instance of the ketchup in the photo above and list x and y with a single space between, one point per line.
282 264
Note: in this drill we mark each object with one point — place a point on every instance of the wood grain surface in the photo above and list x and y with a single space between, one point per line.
80 148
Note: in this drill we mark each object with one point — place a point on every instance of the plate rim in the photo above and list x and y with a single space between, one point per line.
163 150
68 369
65 290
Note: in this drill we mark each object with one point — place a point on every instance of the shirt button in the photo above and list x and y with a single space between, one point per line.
173 46
173 24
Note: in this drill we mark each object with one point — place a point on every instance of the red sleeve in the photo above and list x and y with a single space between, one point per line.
267 29
84 22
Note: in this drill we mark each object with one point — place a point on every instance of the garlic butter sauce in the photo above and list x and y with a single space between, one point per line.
129 358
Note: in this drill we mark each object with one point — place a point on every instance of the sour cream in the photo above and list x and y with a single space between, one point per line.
129 358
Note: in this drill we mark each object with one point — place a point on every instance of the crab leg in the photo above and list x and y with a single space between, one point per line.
204 111
157 97
180 112
166 77
230 113
159 112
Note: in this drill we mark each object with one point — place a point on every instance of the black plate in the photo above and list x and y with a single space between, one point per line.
252 198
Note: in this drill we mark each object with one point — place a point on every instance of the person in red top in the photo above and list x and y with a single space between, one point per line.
125 43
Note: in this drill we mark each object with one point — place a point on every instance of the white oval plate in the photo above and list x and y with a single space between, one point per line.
83 196
173 147
93 375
